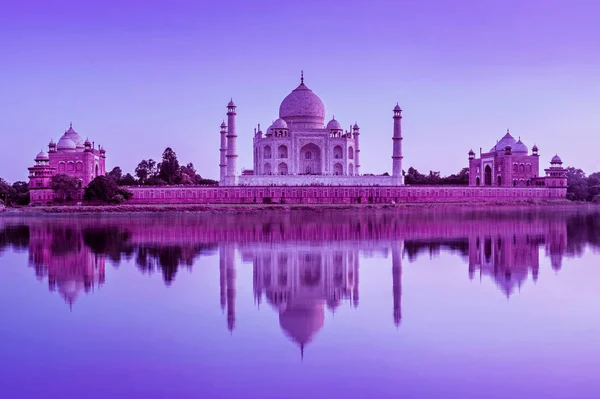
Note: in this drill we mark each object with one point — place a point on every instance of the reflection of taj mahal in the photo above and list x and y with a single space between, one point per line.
300 282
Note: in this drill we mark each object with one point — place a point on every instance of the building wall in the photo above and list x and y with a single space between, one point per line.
506 169
337 195
79 164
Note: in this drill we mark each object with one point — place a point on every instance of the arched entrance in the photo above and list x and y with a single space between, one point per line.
267 169
338 169
282 169
310 160
487 175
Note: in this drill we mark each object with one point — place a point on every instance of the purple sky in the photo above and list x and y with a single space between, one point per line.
137 76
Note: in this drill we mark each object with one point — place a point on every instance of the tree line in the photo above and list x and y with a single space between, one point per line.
166 172
112 187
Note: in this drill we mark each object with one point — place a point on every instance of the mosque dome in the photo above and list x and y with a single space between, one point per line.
303 106
535 148
334 125
506 141
70 136
355 127
42 156
556 159
397 107
66 144
520 148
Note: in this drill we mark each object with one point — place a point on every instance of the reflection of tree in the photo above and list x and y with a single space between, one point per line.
414 248
583 229
15 236
111 241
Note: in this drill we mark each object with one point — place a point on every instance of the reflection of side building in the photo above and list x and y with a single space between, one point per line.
508 258
70 266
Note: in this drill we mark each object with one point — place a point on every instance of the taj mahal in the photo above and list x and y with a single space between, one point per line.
300 149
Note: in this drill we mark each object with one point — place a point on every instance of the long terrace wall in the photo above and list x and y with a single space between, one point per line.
337 194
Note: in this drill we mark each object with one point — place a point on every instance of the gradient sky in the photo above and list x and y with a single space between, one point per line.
138 76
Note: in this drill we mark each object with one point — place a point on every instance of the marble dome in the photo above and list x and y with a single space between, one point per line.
302 106
334 125
42 156
279 124
556 159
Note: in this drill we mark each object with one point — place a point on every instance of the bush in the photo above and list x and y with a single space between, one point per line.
117 199
105 189
596 199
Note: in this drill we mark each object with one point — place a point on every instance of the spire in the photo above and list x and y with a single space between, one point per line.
301 351
70 125
301 77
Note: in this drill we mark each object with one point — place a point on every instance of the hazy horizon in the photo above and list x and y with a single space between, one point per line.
138 77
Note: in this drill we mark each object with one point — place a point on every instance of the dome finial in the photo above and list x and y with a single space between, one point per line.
70 125
302 77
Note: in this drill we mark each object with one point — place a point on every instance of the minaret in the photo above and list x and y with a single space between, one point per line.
397 140
223 158
231 146
397 280
356 130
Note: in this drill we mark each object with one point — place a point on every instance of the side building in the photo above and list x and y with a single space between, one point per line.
71 156
509 164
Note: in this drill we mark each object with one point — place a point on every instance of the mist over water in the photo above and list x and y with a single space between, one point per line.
415 303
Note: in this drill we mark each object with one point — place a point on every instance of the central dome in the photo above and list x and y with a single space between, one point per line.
302 106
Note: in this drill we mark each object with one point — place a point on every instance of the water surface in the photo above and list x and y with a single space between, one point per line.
380 304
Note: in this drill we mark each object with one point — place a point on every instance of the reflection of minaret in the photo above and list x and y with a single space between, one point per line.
222 278
230 277
397 250
355 289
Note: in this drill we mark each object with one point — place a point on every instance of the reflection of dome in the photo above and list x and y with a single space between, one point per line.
519 147
302 105
70 290
334 125
301 324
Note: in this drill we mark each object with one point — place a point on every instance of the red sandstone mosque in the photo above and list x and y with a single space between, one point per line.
300 159
72 156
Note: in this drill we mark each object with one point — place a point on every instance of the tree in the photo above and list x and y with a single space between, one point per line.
128 180
104 188
65 187
20 194
5 191
169 167
145 170
577 185
593 182
116 174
